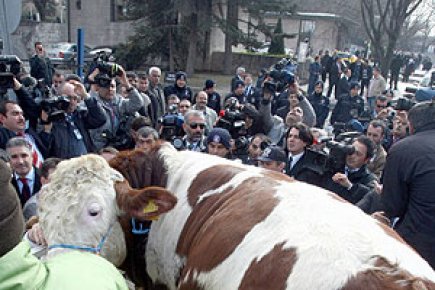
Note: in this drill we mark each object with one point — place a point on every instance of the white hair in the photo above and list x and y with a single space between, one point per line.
154 68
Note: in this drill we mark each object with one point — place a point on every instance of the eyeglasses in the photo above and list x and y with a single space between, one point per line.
196 125
381 106
184 106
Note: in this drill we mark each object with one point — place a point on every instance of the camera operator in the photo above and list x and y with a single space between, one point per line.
219 143
118 111
301 160
349 106
67 131
194 126
353 181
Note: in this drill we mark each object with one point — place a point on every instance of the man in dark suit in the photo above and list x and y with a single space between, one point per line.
240 76
40 65
343 85
334 76
26 179
301 161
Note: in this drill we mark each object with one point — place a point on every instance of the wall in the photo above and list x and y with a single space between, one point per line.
94 18
28 33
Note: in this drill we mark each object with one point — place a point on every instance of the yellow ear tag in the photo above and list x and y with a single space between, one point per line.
151 207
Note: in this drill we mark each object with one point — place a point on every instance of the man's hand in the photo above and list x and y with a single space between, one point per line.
36 235
123 77
17 84
79 89
92 76
341 179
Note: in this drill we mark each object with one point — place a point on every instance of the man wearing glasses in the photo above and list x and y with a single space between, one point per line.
194 126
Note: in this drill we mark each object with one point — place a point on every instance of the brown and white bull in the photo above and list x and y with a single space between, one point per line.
240 227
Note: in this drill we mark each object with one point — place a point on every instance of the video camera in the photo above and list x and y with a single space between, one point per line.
55 107
233 120
335 159
172 127
10 66
283 74
121 139
403 104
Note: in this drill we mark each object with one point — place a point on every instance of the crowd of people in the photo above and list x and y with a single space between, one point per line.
372 161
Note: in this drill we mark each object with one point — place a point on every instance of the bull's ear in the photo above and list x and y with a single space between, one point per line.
146 203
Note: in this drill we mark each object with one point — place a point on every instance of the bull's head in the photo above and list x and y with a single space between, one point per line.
144 172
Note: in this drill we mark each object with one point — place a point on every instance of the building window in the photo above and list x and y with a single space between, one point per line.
79 4
119 10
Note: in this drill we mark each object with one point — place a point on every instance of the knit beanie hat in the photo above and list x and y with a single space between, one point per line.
11 216
220 135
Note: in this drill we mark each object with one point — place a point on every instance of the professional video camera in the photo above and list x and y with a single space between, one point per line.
403 104
172 127
283 73
55 107
335 159
10 66
121 139
233 120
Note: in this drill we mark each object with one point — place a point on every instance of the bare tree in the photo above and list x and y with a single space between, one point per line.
383 21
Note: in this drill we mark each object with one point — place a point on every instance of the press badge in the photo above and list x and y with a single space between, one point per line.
78 135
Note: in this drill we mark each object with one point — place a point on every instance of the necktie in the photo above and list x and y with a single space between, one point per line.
289 165
25 192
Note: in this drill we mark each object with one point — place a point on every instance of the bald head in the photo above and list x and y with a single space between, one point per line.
68 89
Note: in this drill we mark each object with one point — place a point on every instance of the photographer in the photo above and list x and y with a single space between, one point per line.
354 181
296 99
118 110
67 131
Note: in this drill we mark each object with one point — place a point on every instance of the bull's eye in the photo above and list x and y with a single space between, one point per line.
94 210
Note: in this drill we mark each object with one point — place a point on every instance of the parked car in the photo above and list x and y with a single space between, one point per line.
65 53
424 81
417 76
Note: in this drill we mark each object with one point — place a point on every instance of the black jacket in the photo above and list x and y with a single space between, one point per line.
363 182
182 93
347 108
41 68
320 104
408 191
343 86
306 169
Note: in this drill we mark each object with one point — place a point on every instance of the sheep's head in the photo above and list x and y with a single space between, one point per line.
79 205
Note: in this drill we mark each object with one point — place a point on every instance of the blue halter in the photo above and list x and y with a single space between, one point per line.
95 250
